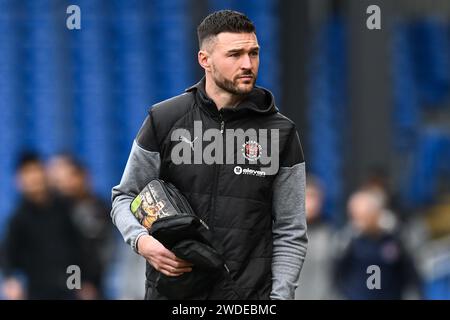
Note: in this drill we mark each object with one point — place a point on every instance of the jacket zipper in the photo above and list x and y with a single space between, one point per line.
216 177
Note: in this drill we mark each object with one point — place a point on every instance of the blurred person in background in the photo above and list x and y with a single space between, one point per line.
405 222
315 279
377 180
367 243
90 215
41 240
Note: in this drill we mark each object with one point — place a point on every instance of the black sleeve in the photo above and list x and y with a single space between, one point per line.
292 153
146 137
14 250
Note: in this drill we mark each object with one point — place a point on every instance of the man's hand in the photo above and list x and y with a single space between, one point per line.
160 258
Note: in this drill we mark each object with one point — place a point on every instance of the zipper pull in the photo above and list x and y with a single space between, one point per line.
222 126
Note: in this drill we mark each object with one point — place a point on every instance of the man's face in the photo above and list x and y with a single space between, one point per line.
364 213
65 177
32 181
313 202
234 61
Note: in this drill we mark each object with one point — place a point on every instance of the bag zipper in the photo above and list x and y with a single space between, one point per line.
169 196
181 199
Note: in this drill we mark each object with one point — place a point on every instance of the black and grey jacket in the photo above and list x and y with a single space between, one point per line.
243 172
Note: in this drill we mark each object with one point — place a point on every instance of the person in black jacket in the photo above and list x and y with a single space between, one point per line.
235 158
371 260
41 241
70 178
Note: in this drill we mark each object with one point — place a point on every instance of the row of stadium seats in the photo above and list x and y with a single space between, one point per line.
327 112
87 91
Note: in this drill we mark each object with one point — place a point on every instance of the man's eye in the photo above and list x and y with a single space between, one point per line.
234 55
254 53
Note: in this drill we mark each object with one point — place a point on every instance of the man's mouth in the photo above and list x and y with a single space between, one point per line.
246 77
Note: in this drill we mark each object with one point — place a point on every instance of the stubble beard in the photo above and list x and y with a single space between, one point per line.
232 86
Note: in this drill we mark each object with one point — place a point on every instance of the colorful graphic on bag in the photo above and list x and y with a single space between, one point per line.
149 205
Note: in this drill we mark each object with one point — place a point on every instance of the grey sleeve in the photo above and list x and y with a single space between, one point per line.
142 166
289 231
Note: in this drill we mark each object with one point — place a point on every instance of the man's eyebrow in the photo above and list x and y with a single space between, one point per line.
242 49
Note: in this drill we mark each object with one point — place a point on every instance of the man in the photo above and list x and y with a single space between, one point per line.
69 177
369 243
236 159
41 241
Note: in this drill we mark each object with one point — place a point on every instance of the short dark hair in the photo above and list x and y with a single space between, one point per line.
223 21
26 158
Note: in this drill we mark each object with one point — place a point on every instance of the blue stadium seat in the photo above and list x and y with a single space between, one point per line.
12 100
431 159
327 113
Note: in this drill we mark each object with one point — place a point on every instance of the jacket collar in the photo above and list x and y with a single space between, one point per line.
259 100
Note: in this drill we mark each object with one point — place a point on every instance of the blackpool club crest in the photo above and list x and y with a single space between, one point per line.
251 150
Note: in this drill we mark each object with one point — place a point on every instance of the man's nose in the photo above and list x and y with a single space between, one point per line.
246 62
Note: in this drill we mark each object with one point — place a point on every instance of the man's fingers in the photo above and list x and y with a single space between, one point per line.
176 262
173 272
183 270
168 254
183 262
174 266
170 266
170 274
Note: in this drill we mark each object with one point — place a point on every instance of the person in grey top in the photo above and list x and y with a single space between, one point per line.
237 160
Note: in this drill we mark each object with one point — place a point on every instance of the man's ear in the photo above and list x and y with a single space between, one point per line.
204 60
